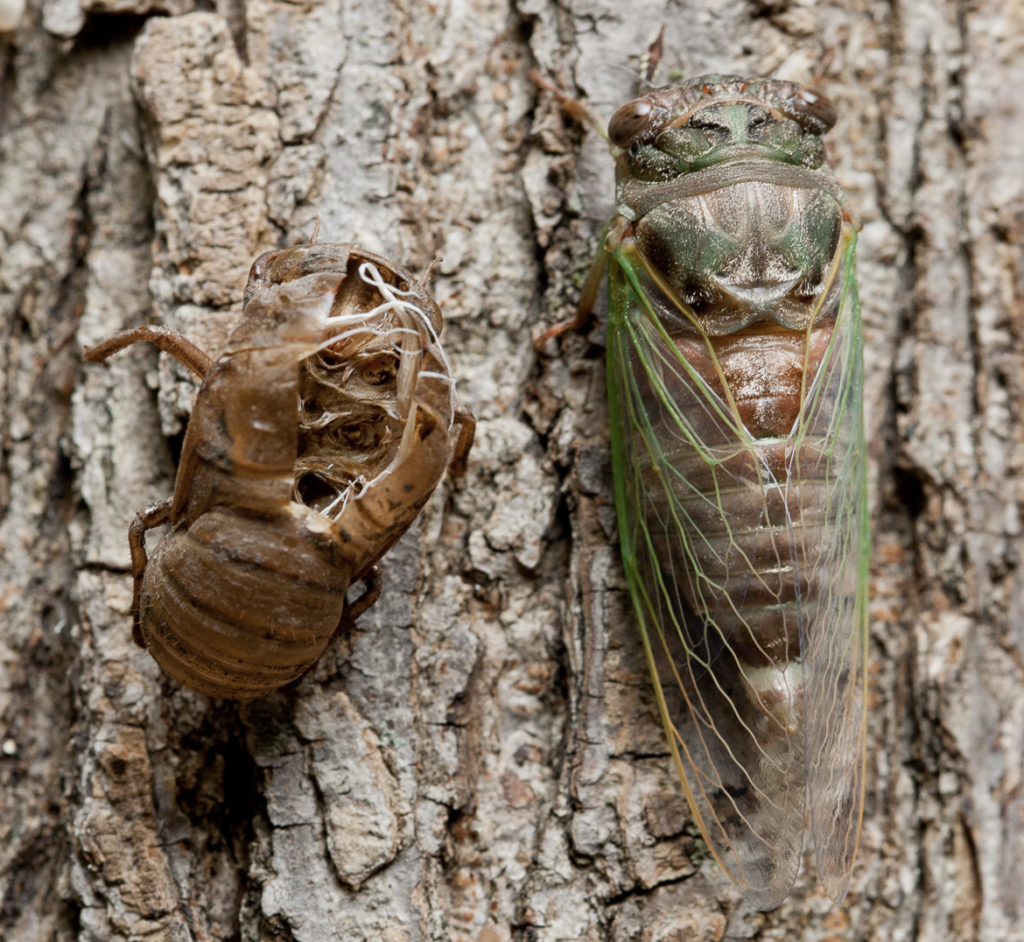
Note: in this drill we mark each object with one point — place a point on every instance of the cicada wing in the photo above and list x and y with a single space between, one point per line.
827 469
692 493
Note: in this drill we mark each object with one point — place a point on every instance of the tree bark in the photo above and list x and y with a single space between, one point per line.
481 759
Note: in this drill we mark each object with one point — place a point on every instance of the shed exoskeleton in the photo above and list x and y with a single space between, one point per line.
315 440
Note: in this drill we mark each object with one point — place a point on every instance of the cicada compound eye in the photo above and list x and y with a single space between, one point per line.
812 110
630 121
259 268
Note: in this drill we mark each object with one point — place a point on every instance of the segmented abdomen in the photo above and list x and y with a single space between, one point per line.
743 571
236 607
753 507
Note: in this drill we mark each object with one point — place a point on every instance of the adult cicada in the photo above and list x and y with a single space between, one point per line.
735 387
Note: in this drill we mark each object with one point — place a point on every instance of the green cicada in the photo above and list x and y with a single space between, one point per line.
735 382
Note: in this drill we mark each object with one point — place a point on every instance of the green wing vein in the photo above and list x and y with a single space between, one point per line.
747 560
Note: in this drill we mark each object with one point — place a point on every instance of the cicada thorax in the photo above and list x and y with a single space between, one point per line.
294 477
732 225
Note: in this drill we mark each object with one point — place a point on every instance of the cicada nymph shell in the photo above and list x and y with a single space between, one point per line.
315 440
735 384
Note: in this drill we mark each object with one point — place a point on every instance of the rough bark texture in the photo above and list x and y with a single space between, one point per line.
481 760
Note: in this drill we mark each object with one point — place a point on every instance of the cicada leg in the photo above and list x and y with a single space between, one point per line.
588 297
463 444
170 341
374 582
152 515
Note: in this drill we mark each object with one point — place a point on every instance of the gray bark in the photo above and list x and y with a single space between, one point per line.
481 759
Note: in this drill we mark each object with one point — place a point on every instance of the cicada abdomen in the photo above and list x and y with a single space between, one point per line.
735 375
315 439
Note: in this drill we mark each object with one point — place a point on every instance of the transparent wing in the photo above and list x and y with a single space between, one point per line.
828 463
744 573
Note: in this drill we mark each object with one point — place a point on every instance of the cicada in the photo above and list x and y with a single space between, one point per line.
316 438
735 389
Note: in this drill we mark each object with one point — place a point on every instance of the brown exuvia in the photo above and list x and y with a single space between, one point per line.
315 439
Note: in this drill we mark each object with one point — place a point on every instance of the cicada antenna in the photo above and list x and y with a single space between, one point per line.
425 277
636 75
298 239
822 67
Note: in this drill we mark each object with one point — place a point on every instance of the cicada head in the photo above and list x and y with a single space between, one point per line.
709 120
726 184
288 265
